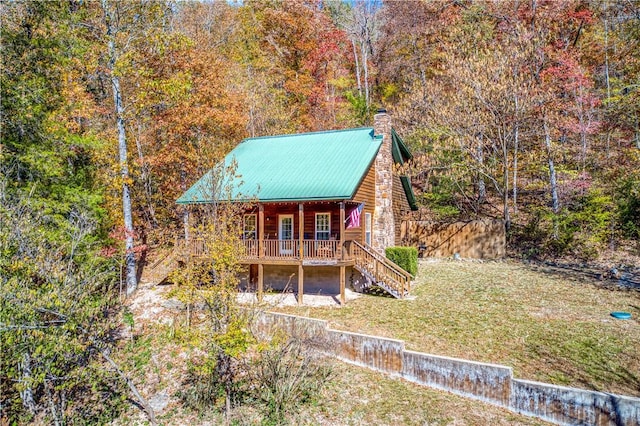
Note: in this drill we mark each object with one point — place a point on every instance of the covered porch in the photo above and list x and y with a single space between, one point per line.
315 230
312 245
300 235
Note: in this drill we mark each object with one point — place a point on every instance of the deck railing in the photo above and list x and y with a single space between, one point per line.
290 249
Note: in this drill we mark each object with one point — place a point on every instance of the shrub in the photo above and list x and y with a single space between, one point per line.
584 227
405 257
628 200
287 375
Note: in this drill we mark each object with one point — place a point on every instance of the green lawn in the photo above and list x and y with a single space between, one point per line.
549 327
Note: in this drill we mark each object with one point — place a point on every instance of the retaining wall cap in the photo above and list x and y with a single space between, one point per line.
465 361
369 336
569 389
278 314
334 330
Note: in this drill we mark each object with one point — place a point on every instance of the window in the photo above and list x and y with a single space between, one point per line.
323 226
367 228
249 229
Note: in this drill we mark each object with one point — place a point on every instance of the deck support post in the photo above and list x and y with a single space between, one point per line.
343 298
260 281
341 232
300 283
260 251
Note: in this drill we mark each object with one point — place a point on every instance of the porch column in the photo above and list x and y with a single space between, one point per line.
260 251
300 283
343 298
260 281
260 230
300 239
342 231
301 229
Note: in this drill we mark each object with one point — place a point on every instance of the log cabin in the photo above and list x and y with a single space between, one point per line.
327 205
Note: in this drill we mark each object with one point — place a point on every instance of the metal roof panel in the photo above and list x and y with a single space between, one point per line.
306 166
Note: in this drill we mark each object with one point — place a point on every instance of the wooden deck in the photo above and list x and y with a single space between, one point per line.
375 267
286 252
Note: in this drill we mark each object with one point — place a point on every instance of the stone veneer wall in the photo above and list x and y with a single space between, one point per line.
383 234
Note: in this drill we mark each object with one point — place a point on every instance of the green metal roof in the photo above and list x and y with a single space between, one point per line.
308 166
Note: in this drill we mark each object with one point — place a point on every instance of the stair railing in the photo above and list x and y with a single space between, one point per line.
381 268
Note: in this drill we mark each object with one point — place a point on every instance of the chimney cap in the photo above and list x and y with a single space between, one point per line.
382 110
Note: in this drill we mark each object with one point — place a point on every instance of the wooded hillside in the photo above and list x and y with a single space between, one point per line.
527 111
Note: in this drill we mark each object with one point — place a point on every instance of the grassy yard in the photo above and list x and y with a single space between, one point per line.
357 396
548 326
157 362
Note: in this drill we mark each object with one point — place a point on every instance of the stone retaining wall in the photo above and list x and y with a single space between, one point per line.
486 382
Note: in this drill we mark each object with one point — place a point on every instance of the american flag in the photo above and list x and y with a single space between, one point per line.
354 217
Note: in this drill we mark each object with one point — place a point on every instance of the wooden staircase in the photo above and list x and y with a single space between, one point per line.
160 269
380 271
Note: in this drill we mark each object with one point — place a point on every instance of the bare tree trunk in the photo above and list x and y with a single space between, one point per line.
185 212
26 394
358 78
482 187
146 181
130 259
365 66
516 141
142 401
505 186
583 139
57 420
605 5
637 133
553 186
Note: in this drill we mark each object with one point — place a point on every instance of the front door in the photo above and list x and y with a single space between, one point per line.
285 233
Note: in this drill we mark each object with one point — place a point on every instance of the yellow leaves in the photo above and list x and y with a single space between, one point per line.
236 339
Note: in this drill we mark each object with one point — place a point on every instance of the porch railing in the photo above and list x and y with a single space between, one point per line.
290 249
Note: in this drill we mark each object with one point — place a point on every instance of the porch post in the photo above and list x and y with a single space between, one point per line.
301 229
260 230
343 298
300 283
260 251
342 231
300 239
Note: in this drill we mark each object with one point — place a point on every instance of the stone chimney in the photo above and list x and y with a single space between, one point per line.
383 234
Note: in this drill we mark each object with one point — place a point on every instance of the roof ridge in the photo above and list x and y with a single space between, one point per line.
307 133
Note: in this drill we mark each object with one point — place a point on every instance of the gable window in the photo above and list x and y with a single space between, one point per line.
249 227
323 226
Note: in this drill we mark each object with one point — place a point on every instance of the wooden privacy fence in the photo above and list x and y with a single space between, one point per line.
491 383
477 239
